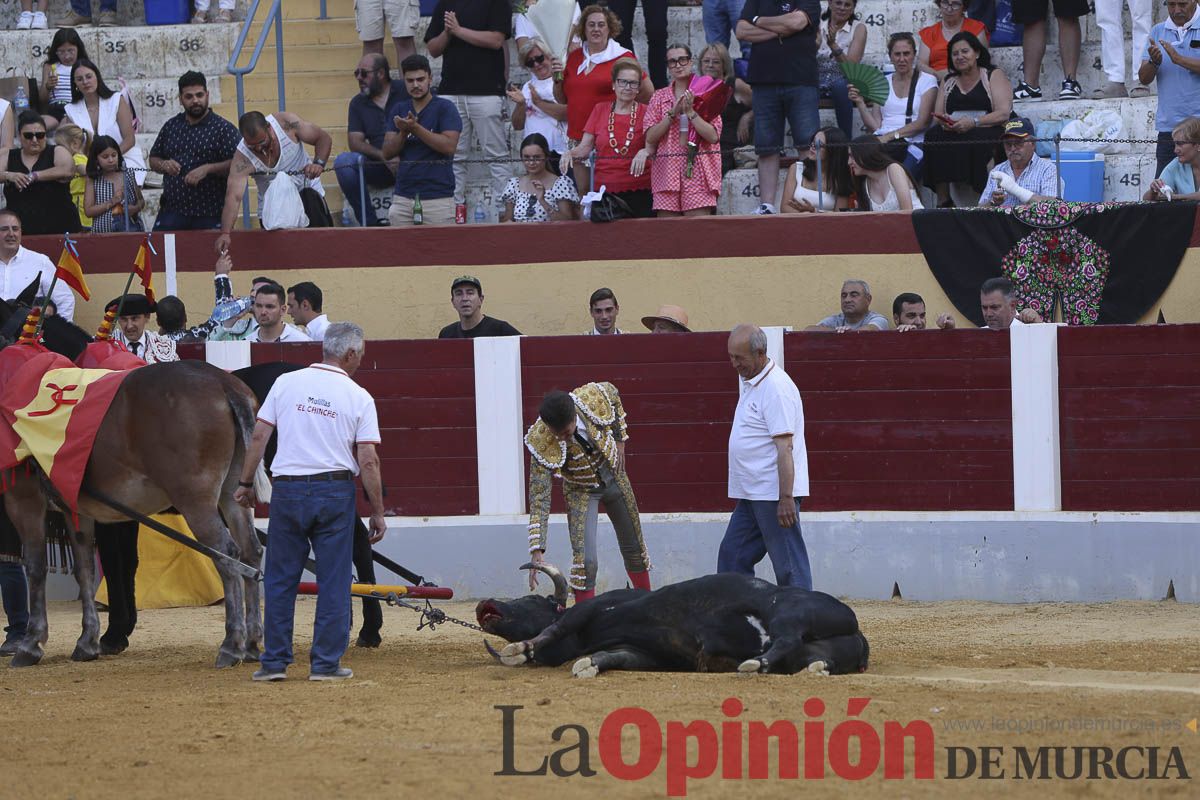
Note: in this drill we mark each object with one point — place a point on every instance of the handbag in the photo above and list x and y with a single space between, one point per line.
610 208
897 149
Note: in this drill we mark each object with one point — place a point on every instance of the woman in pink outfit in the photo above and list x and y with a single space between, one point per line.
685 178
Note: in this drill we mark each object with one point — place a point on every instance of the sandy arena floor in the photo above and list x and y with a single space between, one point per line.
418 717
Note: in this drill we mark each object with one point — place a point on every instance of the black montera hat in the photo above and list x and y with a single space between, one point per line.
134 304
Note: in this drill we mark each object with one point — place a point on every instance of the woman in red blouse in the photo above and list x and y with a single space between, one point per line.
614 130
585 79
934 56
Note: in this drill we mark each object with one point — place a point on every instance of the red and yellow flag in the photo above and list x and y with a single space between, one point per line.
143 267
70 271
55 409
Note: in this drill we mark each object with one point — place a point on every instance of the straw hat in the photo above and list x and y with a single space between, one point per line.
668 313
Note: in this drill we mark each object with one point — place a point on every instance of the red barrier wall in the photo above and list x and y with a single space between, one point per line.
919 421
1129 404
679 393
425 394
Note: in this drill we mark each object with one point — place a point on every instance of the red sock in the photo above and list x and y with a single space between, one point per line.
584 594
640 580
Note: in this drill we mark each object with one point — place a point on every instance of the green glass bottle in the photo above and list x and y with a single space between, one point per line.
418 215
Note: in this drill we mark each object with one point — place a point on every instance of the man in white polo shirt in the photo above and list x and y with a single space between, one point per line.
328 430
768 467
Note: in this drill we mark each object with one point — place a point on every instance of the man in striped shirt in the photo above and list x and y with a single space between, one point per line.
1025 177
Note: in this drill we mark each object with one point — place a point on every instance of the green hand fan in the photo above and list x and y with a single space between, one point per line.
870 82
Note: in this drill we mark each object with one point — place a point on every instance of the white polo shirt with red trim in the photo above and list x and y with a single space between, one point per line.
320 414
770 406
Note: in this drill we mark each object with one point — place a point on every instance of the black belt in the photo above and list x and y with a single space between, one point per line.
338 475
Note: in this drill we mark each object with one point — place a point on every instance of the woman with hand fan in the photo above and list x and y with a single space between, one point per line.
843 40
683 129
901 120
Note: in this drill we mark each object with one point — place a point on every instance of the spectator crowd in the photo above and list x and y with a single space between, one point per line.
601 133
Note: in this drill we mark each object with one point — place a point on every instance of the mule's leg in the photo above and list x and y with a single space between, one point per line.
82 542
605 660
207 526
26 507
241 526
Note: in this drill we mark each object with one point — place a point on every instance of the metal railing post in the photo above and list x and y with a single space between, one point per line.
1058 163
278 16
362 194
820 181
324 15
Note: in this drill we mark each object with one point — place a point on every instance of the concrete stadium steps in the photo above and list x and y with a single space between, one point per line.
301 31
159 51
311 9
320 56
1126 178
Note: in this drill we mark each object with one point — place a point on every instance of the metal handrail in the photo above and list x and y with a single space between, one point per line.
275 17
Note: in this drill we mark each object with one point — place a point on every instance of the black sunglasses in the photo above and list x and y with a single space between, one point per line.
31 135
534 60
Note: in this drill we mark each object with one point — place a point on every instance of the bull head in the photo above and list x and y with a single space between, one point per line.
560 582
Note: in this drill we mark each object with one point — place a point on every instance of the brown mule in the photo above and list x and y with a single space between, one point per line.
175 435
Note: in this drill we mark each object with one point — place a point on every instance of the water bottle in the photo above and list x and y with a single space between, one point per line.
347 216
231 308
21 100
480 214
683 129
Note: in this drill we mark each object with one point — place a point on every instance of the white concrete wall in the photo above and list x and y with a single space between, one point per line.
1007 557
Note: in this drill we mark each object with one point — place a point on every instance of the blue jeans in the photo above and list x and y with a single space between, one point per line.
84 7
376 174
320 513
754 532
14 591
776 103
174 221
1164 151
720 20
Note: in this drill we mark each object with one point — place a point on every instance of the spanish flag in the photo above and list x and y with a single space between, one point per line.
143 267
70 271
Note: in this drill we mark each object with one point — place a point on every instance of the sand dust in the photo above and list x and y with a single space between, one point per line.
419 716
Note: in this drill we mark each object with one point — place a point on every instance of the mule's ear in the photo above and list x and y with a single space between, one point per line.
25 298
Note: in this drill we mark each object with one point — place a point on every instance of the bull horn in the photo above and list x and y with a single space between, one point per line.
491 649
560 583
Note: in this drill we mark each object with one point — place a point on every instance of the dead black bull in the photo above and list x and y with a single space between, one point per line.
717 623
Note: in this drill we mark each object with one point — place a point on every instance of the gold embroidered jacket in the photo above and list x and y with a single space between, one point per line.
599 406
